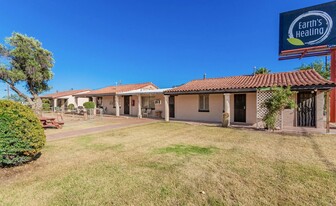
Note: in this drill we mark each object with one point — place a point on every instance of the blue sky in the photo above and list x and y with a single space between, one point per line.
168 42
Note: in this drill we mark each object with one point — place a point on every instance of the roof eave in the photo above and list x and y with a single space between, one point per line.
217 91
95 95
294 88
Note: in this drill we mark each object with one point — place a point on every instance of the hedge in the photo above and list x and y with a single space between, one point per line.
21 134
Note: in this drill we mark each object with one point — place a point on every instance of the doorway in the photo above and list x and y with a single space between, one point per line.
306 109
126 104
240 108
172 106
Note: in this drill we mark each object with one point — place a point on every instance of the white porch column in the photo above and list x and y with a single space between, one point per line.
227 105
139 106
94 99
166 102
117 105
76 102
55 104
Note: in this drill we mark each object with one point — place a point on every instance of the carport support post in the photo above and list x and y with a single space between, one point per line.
166 102
94 99
55 104
117 105
139 106
227 106
76 102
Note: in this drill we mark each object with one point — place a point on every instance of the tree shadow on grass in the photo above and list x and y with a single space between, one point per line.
31 159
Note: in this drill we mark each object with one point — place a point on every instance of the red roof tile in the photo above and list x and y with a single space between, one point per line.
64 93
112 90
295 78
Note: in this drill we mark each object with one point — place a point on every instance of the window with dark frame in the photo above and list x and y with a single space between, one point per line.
113 102
203 103
148 102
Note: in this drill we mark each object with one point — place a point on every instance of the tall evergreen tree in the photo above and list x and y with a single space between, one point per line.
27 63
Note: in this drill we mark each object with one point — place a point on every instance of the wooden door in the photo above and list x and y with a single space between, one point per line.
126 104
172 106
240 107
306 109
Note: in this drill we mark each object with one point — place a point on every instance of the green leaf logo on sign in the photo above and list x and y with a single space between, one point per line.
295 41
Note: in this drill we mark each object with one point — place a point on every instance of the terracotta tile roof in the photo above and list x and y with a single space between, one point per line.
64 93
295 78
112 90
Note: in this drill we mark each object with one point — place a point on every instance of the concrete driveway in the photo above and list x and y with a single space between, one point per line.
80 128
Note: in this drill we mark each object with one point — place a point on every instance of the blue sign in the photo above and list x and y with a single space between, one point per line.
308 27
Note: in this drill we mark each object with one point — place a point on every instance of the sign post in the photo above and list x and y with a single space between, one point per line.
333 91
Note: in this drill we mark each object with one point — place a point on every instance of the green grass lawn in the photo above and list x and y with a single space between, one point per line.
177 164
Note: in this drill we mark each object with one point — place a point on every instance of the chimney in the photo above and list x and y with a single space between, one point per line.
204 76
56 91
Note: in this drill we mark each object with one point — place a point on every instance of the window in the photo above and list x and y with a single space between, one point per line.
148 102
203 103
99 102
112 102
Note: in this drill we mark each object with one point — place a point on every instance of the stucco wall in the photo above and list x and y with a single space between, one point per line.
72 100
186 108
107 102
289 115
81 101
134 108
320 122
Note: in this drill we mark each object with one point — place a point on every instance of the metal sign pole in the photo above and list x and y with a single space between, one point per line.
333 91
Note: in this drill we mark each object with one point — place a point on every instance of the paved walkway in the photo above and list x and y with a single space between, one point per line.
117 123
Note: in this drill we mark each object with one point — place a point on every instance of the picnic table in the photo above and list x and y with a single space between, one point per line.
50 122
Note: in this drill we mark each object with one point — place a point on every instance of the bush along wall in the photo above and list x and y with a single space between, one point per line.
89 105
21 134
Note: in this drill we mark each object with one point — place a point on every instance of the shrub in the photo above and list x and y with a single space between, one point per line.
46 107
46 101
21 134
280 99
89 105
71 106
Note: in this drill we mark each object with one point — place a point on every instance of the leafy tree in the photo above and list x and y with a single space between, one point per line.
28 64
262 70
319 66
46 105
89 105
15 98
281 98
71 106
